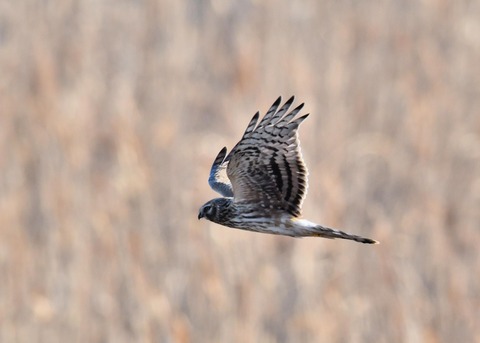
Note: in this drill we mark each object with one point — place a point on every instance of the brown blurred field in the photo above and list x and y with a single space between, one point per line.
111 113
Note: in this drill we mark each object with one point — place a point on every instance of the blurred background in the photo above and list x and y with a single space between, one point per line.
111 113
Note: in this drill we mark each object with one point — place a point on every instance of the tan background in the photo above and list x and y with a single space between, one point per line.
111 113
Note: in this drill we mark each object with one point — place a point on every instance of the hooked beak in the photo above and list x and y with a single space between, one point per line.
200 215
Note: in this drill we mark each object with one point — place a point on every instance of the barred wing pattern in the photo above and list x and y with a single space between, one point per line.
264 180
266 168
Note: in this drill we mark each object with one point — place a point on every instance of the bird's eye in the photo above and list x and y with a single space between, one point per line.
210 210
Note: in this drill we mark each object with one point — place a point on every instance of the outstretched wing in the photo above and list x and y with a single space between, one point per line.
266 167
218 179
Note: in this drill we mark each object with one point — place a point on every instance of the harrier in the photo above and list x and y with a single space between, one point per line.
263 180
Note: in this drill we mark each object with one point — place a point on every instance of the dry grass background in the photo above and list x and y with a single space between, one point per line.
111 114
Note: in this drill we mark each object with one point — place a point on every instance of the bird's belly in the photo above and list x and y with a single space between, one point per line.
276 226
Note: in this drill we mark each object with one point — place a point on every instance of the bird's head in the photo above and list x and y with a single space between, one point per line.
214 209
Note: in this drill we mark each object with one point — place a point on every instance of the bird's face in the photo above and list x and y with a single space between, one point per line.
216 210
209 211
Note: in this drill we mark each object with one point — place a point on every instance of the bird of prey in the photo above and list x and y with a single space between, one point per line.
263 180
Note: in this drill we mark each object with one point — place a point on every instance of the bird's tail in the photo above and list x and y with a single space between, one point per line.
326 232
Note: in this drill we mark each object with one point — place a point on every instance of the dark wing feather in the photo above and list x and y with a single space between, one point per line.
266 167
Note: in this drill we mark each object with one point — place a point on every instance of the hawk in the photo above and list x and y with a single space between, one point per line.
263 180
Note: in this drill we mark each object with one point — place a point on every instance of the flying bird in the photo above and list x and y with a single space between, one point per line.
263 180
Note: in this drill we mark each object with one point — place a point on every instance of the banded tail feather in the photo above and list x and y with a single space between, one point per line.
326 232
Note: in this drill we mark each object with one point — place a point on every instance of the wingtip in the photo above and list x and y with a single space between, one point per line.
299 107
299 120
278 101
220 156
